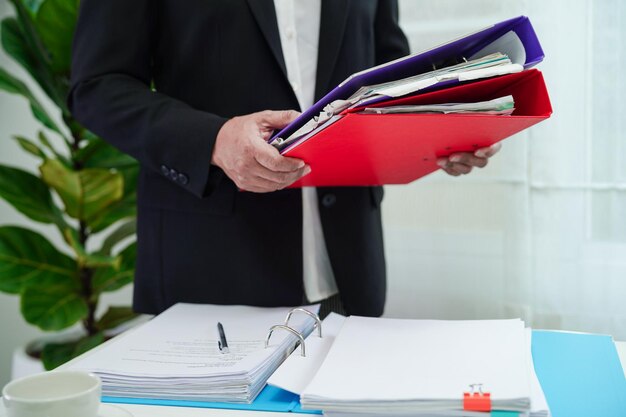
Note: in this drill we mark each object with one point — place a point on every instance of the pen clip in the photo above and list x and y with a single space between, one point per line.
221 348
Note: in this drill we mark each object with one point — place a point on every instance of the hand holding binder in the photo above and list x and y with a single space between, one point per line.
463 162
241 151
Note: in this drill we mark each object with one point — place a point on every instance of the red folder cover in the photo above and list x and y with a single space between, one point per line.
376 149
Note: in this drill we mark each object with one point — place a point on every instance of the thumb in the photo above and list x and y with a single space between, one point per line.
278 119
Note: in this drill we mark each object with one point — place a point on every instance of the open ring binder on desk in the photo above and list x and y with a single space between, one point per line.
174 359
561 361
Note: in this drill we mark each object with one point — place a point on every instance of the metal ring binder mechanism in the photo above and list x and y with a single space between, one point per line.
318 322
296 333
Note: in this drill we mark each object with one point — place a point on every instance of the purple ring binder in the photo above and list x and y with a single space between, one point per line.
423 61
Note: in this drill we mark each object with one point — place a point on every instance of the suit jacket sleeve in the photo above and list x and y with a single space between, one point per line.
390 41
111 95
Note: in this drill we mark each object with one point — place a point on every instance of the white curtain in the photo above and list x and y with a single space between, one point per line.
541 232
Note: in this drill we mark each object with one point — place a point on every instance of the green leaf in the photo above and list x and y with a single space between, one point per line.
30 147
56 23
100 154
25 44
122 232
43 139
12 85
27 259
56 354
123 209
32 5
114 317
85 193
17 47
54 305
87 259
29 195
111 279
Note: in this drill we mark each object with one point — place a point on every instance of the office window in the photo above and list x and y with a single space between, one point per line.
541 233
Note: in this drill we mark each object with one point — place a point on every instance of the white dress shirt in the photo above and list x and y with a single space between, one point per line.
299 26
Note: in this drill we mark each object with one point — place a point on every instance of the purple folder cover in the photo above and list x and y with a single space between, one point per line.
421 62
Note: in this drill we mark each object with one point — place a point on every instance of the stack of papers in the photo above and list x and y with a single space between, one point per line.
501 106
423 368
175 356
491 65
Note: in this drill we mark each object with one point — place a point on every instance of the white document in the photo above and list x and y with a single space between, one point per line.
502 106
298 371
509 44
388 366
176 354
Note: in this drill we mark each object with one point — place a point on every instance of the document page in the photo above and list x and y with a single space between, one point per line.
499 106
407 364
183 342
297 371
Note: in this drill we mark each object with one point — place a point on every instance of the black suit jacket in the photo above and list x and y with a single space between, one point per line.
199 239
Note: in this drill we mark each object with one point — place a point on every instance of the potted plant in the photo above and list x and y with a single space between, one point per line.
84 187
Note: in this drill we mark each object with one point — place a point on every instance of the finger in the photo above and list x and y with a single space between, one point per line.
489 151
460 168
281 179
257 184
270 158
451 172
453 168
467 158
277 119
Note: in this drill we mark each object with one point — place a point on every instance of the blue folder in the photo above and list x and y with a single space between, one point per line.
270 399
581 375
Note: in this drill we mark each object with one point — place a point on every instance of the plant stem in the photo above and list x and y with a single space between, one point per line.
89 323
85 273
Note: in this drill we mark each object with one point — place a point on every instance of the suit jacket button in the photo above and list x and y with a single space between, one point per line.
173 174
183 179
329 200
165 171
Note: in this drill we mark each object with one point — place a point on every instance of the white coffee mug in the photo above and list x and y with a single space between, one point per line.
53 394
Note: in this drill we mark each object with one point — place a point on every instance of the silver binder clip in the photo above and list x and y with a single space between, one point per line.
318 322
290 330
476 388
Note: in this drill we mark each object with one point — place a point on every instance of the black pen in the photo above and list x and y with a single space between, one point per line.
222 344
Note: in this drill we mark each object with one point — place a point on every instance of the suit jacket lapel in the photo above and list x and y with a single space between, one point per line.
332 26
265 15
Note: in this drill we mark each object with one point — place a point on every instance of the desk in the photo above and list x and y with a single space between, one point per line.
153 411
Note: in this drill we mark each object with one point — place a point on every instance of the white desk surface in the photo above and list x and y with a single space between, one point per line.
154 411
